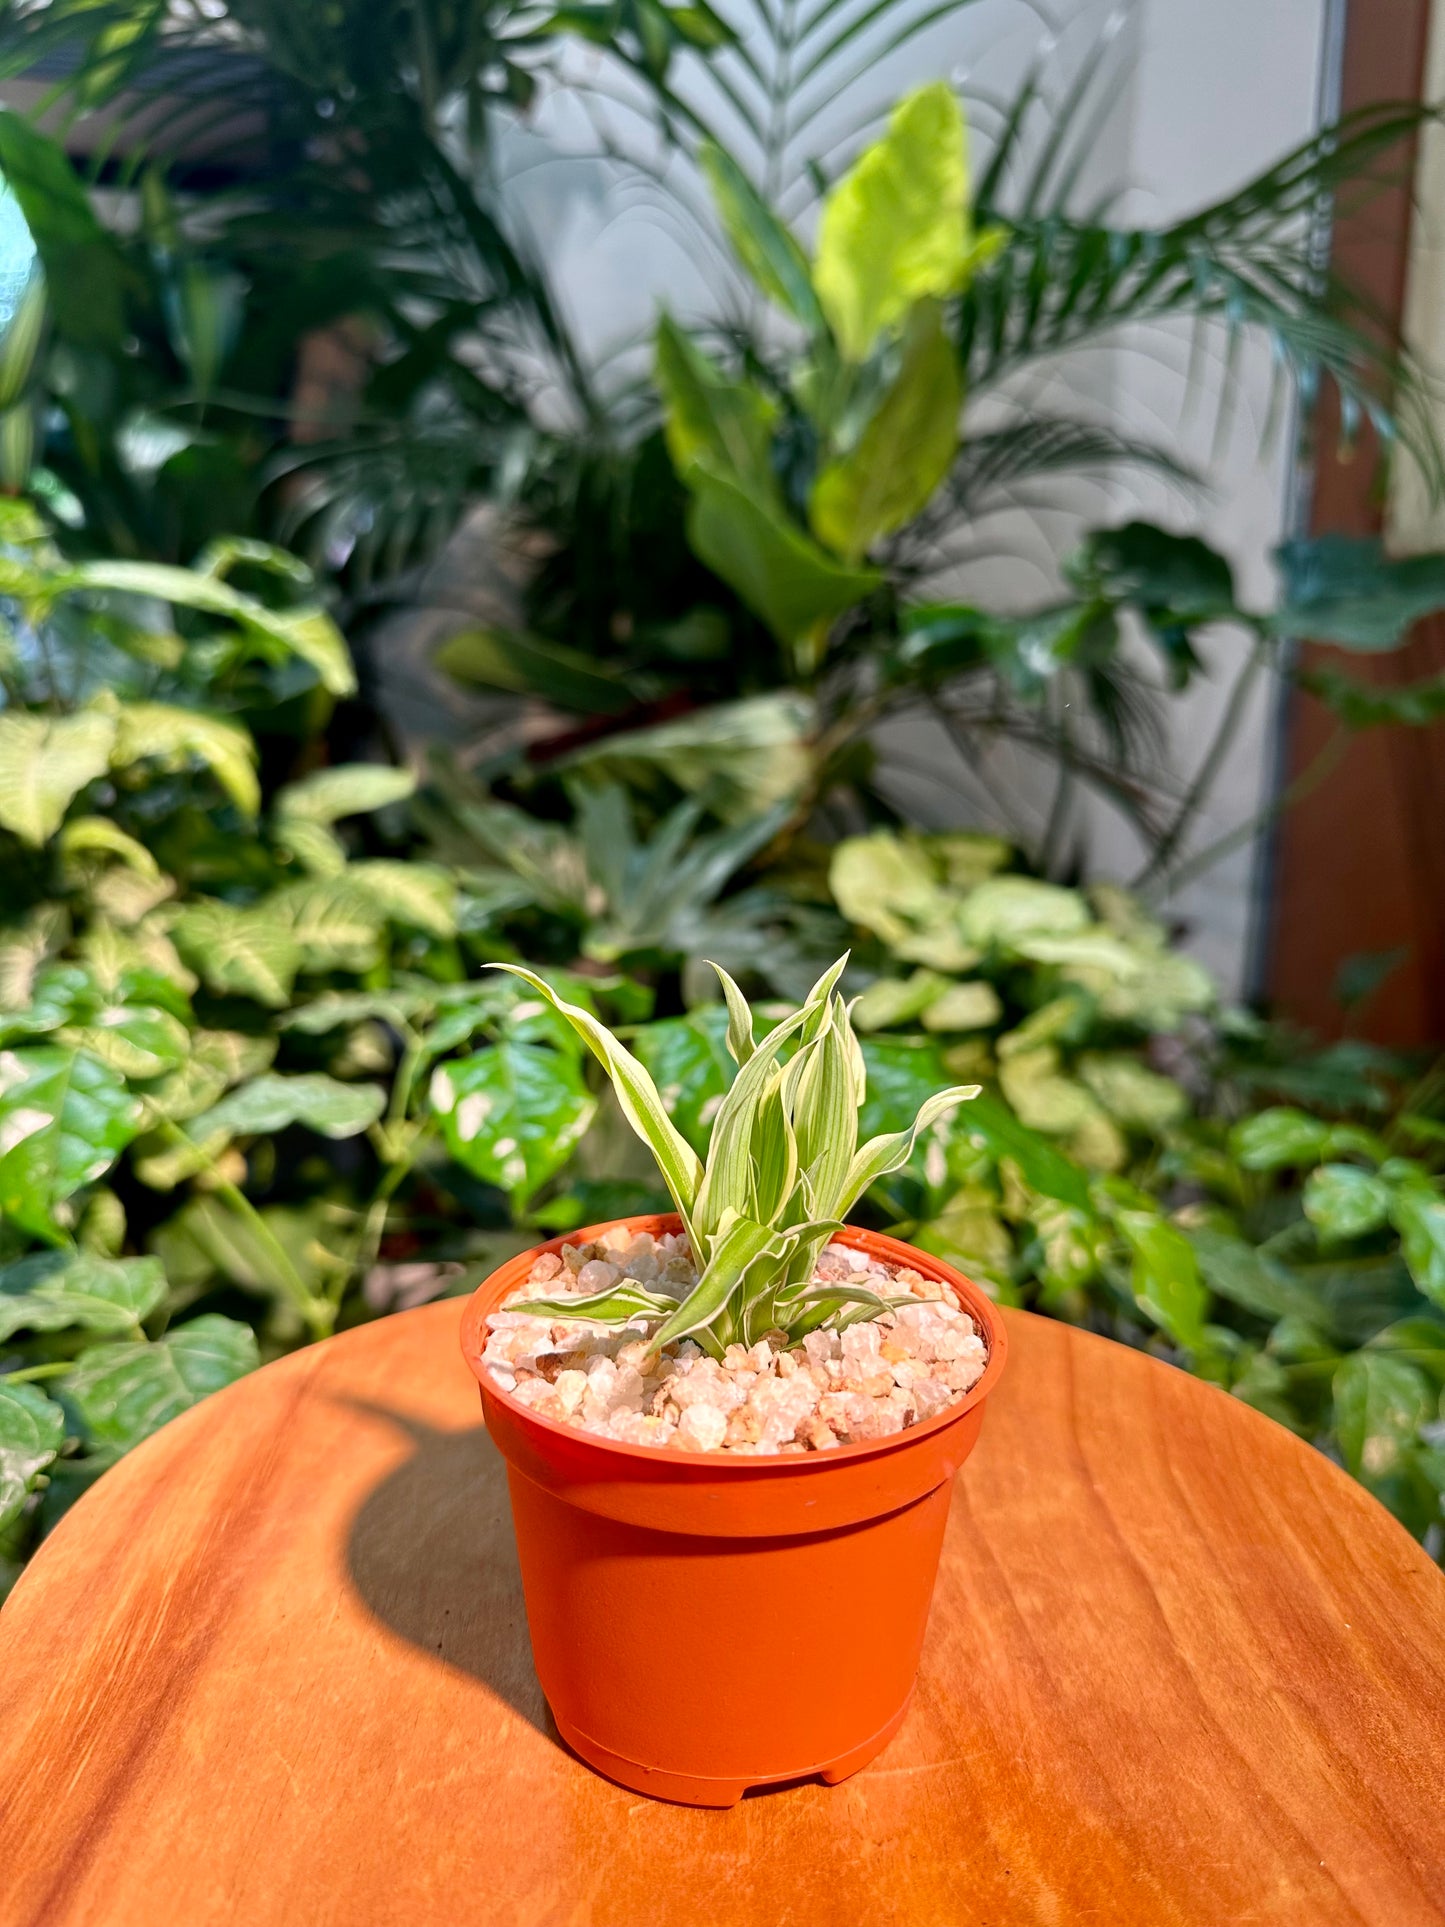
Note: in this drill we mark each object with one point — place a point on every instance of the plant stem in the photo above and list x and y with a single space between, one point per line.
56 1370
1208 771
318 1314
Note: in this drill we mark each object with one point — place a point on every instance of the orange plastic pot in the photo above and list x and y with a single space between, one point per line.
702 1624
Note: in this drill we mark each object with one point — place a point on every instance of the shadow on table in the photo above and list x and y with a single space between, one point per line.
432 1554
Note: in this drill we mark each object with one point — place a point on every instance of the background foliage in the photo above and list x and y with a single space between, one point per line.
283 337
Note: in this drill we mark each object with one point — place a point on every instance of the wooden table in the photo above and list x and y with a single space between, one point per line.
275 1670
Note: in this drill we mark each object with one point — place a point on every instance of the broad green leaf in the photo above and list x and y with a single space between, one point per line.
1344 1202
85 834
336 1009
64 1120
253 952
900 1000
723 425
1041 1096
172 737
32 1430
1419 1217
335 923
907 447
308 633
527 665
990 1126
138 1041
745 757
1239 1271
512 1114
1380 1404
787 581
422 895
895 228
636 1094
273 1103
689 1062
1346 590
122 1393
1278 1137
967 1006
1005 909
53 1290
1165 1279
350 789
760 240
1130 1092
314 847
45 761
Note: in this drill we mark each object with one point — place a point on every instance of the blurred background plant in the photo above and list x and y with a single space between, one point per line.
284 350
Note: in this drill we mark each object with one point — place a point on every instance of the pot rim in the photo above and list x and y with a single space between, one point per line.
980 1307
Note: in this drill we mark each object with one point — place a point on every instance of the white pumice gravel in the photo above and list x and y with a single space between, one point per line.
835 1388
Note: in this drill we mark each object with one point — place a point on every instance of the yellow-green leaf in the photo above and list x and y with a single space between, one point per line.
45 761
896 227
890 474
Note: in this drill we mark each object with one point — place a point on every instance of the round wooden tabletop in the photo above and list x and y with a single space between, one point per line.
275 1670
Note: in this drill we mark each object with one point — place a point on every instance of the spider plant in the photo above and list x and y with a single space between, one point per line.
783 1169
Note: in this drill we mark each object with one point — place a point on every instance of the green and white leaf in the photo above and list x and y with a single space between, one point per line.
64 1120
512 1114
45 762
32 1431
162 733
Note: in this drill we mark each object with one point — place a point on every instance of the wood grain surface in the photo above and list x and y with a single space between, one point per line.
275 1671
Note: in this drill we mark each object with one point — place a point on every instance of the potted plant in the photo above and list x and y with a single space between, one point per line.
731 1433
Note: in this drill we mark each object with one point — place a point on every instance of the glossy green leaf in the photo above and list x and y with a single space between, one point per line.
1250 1278
349 789
273 1103
895 228
32 1430
906 448
1419 1217
1342 1201
121 1393
738 1246
45 761
252 952
334 923
1380 1404
53 1290
172 737
1346 590
420 895
787 581
138 1041
1276 1138
512 1114
722 425
207 1239
1165 1279
64 1120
